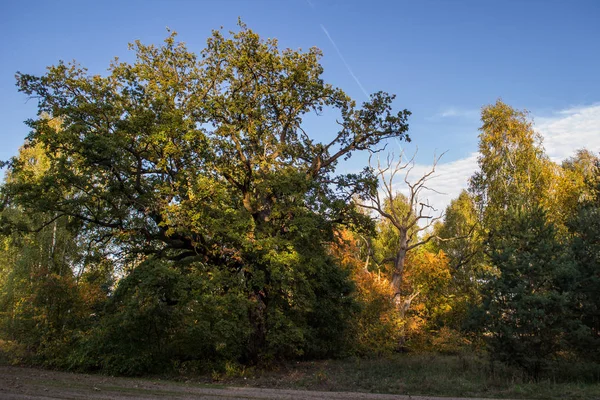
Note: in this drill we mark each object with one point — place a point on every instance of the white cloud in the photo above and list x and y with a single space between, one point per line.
563 133
569 130
449 180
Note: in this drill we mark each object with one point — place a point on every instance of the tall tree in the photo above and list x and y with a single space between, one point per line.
203 161
405 218
41 302
524 202
465 252
512 165
148 148
526 305
584 227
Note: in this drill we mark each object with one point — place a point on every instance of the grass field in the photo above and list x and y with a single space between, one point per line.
464 375
467 375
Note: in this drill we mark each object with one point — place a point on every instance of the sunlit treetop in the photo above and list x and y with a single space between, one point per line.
175 149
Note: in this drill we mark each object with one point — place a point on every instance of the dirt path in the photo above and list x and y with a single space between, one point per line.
29 383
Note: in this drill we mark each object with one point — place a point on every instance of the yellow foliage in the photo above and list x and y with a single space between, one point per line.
428 274
377 326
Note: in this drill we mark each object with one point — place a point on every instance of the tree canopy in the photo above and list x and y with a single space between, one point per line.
162 153
201 163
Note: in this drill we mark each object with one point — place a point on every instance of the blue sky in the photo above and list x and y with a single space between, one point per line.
443 59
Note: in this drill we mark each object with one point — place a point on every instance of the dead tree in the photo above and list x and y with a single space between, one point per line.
412 223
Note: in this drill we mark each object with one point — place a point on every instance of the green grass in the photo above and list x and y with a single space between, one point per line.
466 375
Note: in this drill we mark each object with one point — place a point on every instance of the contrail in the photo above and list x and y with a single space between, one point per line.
344 60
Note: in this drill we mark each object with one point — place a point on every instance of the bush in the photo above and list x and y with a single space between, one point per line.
160 317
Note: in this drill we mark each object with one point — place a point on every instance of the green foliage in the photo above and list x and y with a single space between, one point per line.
526 306
43 303
139 323
539 220
159 316
513 167
179 152
46 296
176 214
462 242
585 245
193 177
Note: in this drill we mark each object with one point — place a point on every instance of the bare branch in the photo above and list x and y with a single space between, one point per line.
411 221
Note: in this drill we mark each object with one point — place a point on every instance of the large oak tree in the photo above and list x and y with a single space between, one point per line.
204 160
